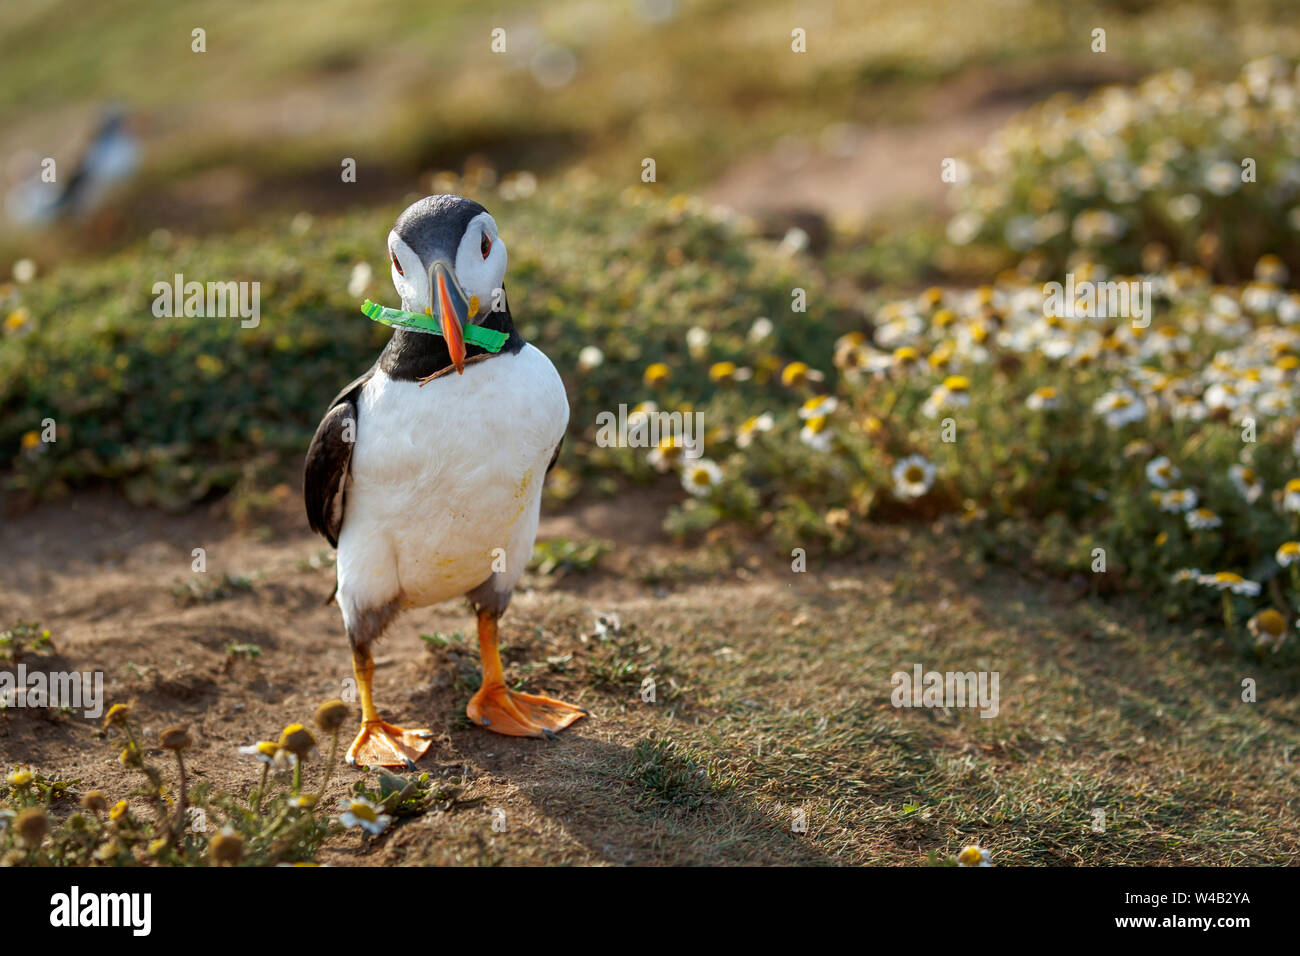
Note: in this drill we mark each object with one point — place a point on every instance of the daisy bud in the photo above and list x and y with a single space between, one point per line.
298 740
94 801
331 714
31 826
226 847
174 738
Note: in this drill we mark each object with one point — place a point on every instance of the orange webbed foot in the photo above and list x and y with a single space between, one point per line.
517 714
381 744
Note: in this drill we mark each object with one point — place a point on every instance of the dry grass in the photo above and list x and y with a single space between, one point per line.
772 695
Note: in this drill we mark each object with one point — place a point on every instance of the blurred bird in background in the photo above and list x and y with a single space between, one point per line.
111 158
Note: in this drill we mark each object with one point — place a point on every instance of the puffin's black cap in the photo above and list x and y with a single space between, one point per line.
434 225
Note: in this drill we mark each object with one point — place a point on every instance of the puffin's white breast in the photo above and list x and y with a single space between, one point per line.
445 475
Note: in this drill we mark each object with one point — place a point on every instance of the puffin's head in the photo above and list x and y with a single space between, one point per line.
448 262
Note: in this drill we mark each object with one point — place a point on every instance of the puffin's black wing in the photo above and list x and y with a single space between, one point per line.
329 459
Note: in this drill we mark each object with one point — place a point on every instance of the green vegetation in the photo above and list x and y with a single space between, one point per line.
178 410
23 640
47 821
1134 178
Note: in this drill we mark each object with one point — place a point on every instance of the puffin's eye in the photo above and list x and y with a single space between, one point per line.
397 265
486 245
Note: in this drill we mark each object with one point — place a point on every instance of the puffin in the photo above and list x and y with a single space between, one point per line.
112 156
426 472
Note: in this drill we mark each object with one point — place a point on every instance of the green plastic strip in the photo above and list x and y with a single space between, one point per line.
489 339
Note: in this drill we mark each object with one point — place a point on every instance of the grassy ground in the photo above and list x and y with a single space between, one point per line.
772 696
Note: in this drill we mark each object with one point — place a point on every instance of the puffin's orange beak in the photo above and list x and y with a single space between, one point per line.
451 327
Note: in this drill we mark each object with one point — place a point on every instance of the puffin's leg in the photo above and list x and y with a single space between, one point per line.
508 712
381 744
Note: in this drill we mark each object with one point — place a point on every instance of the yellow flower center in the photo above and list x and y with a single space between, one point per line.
363 811
971 856
914 474
794 373
657 372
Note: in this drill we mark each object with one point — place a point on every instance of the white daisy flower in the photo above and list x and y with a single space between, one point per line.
1230 581
816 433
1189 408
974 856
913 477
753 426
1043 399
1178 501
360 812
955 392
1288 553
1291 496
699 477
264 751
665 455
1161 472
1120 407
818 405
1202 519
1247 482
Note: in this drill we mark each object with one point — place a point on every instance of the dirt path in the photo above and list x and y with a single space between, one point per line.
773 697
853 172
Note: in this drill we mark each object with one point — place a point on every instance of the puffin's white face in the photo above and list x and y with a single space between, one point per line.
479 267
